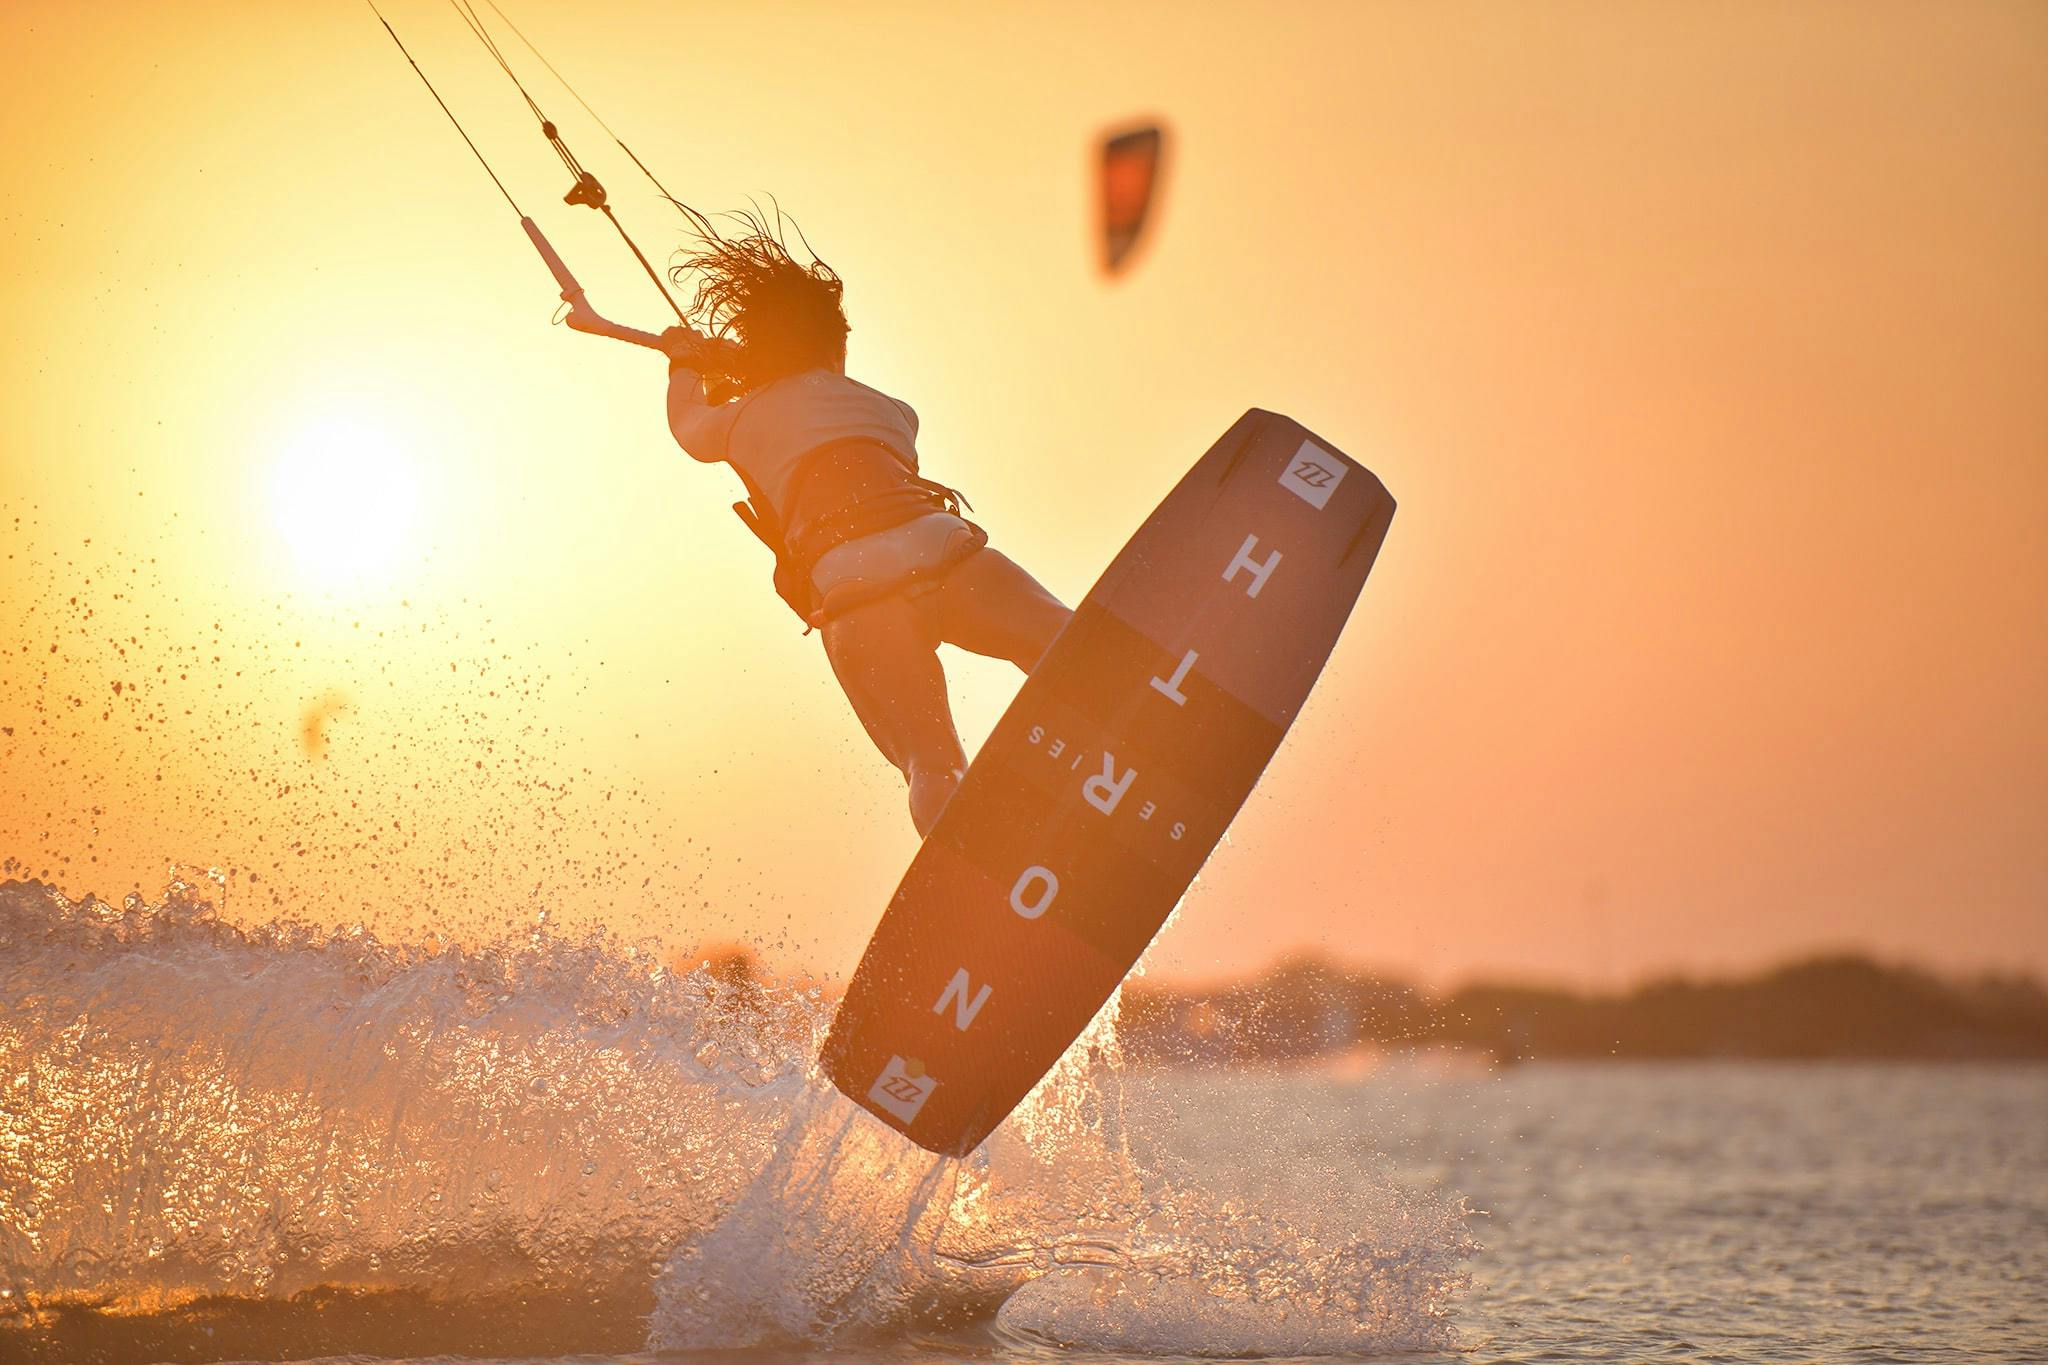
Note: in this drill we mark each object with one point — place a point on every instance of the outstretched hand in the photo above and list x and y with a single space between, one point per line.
688 346
682 343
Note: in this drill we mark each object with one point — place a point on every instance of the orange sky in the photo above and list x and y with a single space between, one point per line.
1702 345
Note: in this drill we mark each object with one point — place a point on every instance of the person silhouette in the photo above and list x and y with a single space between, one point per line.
877 557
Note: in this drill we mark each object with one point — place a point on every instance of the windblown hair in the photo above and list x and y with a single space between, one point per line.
784 315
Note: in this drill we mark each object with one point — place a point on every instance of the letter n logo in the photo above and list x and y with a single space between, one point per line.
965 1000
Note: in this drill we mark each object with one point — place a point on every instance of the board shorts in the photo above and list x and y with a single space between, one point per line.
910 558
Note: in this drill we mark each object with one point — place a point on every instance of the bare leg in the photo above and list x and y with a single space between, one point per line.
885 655
988 605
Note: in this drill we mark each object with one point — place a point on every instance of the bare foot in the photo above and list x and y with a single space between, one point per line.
930 790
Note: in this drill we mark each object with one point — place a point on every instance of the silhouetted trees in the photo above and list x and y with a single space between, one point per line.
1842 1007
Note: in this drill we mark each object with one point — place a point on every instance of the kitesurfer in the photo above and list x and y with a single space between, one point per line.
867 550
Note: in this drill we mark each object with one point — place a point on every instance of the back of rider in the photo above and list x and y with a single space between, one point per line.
768 433
829 464
863 525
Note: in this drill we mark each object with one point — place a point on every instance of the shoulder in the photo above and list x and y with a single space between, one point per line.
909 413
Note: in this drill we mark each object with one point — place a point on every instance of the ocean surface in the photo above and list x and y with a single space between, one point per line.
1697 1212
284 1144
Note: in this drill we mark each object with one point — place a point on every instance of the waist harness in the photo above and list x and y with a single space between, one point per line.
839 492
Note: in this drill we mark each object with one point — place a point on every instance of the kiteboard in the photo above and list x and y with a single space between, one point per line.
1107 782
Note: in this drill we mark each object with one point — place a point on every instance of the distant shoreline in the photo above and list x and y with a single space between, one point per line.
1837 1008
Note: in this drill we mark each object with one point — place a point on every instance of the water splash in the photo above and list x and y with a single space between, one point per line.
850 1232
198 1115
1208 1277
195 1109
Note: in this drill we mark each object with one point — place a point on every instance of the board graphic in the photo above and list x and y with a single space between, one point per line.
1107 783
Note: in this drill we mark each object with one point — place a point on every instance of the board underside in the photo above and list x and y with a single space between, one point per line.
1107 782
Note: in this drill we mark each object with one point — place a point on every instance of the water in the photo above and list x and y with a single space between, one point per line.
1738 1212
285 1144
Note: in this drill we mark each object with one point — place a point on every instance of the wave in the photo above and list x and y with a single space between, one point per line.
307 1141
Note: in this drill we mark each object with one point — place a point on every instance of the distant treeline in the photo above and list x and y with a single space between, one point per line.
1829 1007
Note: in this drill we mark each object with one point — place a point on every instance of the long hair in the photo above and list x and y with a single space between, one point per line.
785 315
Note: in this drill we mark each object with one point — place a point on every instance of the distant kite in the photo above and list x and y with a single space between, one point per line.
1132 168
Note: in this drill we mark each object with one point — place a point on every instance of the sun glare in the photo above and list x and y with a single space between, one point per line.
346 498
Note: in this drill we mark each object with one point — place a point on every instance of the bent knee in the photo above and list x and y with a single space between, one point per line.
931 788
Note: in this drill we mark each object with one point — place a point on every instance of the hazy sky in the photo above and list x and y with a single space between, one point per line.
1704 347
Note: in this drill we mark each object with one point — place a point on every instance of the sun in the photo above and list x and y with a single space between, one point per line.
346 497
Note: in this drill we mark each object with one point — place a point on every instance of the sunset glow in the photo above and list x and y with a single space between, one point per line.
346 499
1014 682
1702 361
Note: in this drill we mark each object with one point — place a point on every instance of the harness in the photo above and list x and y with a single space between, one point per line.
840 492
